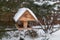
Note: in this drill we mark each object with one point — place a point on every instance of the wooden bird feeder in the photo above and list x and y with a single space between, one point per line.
22 17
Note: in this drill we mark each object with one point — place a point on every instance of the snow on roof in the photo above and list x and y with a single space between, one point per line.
21 12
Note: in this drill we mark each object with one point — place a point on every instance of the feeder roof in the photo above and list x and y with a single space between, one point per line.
21 12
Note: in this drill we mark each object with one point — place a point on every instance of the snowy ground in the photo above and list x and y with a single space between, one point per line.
56 35
16 36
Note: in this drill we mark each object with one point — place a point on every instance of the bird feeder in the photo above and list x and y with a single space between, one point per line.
22 17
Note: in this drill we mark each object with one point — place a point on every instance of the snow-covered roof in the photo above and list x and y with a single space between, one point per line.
21 12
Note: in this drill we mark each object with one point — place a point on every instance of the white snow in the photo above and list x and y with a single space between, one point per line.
38 3
49 3
58 18
55 36
21 12
41 3
56 8
36 26
7 0
41 33
11 37
57 33
58 25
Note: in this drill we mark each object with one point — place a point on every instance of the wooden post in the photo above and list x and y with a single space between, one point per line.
25 23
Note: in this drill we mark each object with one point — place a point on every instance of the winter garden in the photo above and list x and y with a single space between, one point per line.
44 28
